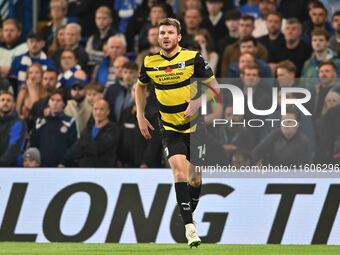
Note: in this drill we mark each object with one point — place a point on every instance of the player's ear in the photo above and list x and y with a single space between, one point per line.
179 38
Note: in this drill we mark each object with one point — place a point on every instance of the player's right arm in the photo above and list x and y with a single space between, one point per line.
143 123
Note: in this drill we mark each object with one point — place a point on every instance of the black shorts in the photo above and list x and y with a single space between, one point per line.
192 145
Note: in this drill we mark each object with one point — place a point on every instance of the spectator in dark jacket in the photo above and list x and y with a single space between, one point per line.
134 150
72 42
12 132
97 145
55 134
285 146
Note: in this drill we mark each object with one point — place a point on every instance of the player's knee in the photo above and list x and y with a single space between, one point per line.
180 175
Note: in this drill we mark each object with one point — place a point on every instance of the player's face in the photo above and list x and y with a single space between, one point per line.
168 38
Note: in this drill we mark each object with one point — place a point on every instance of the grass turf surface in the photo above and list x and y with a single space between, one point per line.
9 248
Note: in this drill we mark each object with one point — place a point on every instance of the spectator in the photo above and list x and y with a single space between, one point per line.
31 91
265 7
32 157
125 11
189 4
318 19
77 107
251 7
328 81
55 149
328 126
72 40
215 20
119 95
332 100
93 92
192 24
35 55
134 150
274 40
321 53
334 42
241 159
97 145
206 47
295 50
157 13
58 11
232 18
12 132
139 18
286 146
248 45
57 43
285 74
83 13
95 43
246 59
105 73
11 46
294 9
306 122
232 52
261 91
153 45
71 71
235 137
40 108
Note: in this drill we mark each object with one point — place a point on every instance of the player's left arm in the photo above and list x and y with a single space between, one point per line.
204 73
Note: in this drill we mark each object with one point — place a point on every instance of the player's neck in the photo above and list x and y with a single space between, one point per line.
170 53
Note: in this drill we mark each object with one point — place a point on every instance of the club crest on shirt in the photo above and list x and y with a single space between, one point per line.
206 65
63 129
181 65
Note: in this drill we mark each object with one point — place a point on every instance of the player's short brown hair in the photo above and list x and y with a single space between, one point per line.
171 22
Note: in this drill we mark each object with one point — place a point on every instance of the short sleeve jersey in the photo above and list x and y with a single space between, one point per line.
176 81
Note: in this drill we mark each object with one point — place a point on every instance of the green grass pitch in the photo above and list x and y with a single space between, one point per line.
9 248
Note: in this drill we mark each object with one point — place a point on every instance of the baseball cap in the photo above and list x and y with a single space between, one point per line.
78 83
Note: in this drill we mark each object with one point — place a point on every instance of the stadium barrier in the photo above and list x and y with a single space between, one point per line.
138 205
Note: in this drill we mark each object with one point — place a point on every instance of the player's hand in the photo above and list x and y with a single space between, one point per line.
192 108
144 126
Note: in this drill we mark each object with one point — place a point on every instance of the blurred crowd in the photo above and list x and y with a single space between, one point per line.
67 90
